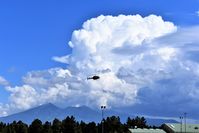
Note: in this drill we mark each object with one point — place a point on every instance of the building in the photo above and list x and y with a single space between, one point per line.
145 130
180 128
170 128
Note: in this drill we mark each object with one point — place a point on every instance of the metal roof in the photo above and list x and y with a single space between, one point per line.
190 128
146 130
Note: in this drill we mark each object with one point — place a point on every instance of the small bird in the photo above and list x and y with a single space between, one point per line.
93 77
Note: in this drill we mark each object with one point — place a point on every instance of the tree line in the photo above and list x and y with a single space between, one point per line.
70 125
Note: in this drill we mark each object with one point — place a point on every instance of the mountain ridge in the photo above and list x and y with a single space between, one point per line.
49 111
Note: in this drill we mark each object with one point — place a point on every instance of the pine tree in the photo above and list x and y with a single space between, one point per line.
35 127
47 128
69 125
139 122
56 126
83 127
20 127
2 127
112 124
91 128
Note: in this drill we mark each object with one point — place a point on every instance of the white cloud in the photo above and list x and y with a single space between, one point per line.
35 92
173 84
92 45
3 110
47 78
140 60
197 13
166 53
63 59
3 81
22 97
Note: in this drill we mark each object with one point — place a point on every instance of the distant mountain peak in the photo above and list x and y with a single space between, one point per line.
49 111
49 105
44 107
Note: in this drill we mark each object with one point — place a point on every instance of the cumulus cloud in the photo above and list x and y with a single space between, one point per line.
93 49
62 59
140 60
172 83
22 97
3 81
4 110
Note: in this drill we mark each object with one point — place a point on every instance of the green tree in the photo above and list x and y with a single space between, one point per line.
56 126
13 127
9 129
91 128
113 125
2 127
21 127
35 127
47 128
83 127
139 122
69 125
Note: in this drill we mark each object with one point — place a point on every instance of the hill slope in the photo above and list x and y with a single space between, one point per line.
48 112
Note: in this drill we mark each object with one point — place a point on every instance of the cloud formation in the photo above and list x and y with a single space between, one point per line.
63 59
197 13
3 81
140 60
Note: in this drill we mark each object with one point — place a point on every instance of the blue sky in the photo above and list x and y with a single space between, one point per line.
33 32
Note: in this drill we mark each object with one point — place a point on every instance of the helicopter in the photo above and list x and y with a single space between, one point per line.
94 77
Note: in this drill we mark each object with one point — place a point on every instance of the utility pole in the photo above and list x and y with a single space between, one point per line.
185 114
181 124
103 108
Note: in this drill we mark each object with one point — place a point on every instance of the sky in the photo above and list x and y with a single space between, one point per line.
145 52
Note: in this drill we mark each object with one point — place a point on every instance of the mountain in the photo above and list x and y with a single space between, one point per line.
159 122
45 112
48 112
81 113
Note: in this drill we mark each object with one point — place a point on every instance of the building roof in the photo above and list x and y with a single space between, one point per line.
190 128
145 130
